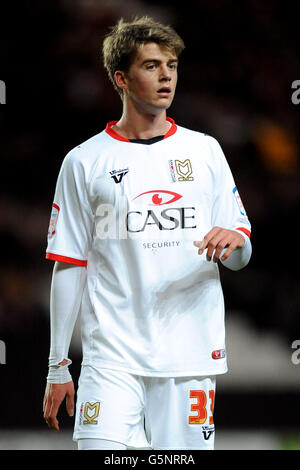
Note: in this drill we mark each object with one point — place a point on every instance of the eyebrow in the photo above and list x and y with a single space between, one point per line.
158 60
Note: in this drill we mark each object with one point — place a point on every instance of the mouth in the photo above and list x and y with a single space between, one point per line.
164 91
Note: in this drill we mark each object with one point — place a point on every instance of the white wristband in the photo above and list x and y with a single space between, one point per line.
59 375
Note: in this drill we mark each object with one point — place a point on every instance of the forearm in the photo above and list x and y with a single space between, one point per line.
67 286
240 257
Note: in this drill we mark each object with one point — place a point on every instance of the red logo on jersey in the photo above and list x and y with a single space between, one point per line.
218 354
158 199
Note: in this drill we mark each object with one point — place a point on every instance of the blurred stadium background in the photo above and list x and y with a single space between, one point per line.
235 79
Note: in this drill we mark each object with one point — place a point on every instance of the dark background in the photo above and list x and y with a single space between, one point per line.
235 79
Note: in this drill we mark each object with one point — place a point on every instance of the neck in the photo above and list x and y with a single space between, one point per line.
140 125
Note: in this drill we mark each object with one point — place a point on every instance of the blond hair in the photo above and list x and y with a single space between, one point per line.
121 44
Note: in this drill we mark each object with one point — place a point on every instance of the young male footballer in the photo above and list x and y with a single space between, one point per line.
142 214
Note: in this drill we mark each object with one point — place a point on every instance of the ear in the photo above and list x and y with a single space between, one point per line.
121 80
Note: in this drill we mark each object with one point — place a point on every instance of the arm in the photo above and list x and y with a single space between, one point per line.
229 238
67 286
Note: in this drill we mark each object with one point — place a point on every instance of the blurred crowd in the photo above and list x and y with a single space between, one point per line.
235 80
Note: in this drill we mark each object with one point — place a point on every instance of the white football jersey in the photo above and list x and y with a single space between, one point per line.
130 212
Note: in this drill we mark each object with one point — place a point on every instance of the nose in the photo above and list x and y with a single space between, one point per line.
165 73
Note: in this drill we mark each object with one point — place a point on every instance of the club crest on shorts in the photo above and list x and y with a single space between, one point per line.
89 411
53 220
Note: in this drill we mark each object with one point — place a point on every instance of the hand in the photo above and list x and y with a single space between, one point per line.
54 395
216 240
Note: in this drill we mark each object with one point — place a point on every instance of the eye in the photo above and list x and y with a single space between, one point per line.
159 197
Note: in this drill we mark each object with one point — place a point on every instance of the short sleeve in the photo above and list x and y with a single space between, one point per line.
228 209
71 221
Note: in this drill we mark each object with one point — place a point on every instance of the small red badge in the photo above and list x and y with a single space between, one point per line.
218 354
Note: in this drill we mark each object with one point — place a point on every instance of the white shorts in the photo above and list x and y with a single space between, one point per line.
145 412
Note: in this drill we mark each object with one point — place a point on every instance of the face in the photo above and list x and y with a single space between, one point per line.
151 80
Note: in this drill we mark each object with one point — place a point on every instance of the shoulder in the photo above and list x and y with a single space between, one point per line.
200 138
86 151
195 134
84 158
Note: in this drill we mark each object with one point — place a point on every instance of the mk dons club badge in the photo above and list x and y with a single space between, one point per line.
89 412
181 170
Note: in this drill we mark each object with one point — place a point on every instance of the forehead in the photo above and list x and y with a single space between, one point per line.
152 50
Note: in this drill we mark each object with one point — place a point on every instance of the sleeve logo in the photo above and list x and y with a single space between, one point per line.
53 220
239 201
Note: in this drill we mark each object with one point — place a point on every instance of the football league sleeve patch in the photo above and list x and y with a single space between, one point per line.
228 209
71 220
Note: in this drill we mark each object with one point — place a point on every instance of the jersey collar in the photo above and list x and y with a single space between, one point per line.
117 136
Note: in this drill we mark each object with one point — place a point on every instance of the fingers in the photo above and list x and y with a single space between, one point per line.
54 395
213 241
50 417
50 408
216 241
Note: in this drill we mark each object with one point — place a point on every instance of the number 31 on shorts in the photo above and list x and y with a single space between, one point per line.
202 407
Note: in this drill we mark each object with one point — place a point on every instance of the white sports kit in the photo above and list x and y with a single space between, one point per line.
152 311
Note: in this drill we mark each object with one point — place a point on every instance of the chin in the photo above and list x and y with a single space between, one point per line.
163 104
